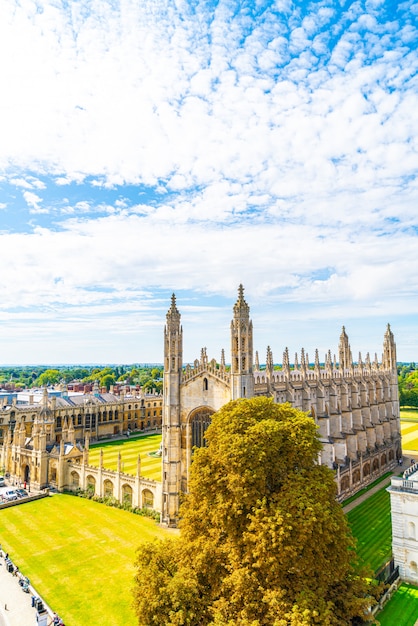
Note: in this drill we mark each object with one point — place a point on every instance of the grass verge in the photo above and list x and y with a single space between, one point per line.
79 555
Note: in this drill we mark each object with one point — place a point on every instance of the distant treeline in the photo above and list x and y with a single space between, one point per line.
148 377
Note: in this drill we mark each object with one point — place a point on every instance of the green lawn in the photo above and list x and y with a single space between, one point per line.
409 414
79 555
409 429
370 523
129 449
402 608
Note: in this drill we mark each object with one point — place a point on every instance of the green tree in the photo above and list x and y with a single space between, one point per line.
49 377
263 540
107 380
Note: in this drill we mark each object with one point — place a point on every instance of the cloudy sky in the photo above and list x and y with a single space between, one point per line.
157 146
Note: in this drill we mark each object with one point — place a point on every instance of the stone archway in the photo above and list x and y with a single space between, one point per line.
108 488
127 494
26 474
91 484
147 499
75 480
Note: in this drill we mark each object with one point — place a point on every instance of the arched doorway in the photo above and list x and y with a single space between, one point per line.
26 474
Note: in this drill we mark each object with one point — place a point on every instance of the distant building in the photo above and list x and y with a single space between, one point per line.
355 405
404 510
45 437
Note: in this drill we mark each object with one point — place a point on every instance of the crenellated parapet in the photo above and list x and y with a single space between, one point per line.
203 366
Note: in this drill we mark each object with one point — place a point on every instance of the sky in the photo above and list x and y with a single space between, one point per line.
151 147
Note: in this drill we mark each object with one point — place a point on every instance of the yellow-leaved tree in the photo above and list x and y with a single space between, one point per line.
263 540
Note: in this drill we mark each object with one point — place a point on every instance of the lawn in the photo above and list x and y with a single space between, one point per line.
129 449
79 556
409 412
409 429
370 523
402 608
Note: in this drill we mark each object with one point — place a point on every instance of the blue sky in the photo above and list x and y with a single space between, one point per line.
159 146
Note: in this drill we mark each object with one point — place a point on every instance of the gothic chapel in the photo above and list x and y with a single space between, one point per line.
355 405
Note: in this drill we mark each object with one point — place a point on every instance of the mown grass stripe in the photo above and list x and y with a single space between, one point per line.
402 609
370 523
79 555
129 450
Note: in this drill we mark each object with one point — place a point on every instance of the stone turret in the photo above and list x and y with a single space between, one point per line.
242 377
389 350
173 363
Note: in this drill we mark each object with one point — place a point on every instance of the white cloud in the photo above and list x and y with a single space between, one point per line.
33 201
281 145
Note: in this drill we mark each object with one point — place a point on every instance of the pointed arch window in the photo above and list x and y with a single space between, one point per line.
199 423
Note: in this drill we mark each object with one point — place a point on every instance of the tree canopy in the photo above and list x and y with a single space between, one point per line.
408 385
263 540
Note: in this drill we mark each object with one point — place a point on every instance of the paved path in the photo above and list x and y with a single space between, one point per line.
15 605
384 483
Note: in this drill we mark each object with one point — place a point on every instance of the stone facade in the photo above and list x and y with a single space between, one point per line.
46 441
404 510
355 405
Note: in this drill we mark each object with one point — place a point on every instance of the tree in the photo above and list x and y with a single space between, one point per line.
263 540
49 377
107 380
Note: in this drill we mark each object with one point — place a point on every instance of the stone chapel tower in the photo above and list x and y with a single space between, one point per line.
242 378
171 457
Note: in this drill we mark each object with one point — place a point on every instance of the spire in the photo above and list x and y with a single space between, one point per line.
269 361
242 349
203 357
222 367
71 432
173 312
328 363
45 414
285 364
317 366
345 358
241 308
303 361
389 350
173 339
296 364
257 362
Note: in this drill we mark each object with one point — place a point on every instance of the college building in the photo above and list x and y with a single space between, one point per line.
45 437
355 405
